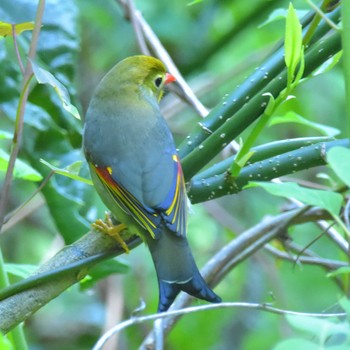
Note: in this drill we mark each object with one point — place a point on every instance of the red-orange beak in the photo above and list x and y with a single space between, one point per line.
169 78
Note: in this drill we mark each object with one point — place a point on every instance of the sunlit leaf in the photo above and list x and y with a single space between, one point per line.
279 14
70 171
293 40
241 161
5 344
5 135
6 28
271 104
194 2
327 200
45 77
339 160
21 171
327 178
344 270
292 117
275 15
329 64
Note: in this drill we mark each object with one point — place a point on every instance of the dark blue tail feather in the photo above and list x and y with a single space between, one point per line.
177 270
196 287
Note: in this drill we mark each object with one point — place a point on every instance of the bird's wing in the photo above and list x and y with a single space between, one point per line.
169 208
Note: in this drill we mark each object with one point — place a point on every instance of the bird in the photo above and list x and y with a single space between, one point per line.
137 172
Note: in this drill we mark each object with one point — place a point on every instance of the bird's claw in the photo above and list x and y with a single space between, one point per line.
106 226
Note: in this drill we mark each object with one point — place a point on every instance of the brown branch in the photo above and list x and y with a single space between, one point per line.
328 264
95 247
77 257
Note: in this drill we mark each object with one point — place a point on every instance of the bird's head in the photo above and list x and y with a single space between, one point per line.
141 72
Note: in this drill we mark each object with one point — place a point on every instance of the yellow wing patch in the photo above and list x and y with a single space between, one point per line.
147 218
172 212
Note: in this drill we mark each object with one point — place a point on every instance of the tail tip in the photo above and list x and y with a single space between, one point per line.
169 291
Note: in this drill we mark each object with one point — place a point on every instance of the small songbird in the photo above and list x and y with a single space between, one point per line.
137 172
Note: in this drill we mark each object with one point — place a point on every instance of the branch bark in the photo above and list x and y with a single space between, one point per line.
72 263
67 267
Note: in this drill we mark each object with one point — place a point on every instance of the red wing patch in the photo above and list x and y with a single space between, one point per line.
172 211
146 217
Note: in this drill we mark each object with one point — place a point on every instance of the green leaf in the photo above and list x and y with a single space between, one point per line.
45 77
293 40
194 2
274 16
6 28
5 344
339 160
51 133
5 135
20 270
296 343
327 200
270 107
344 270
292 117
244 159
21 171
70 171
279 14
103 270
68 200
329 64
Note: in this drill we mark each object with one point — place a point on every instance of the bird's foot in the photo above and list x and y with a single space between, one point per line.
108 227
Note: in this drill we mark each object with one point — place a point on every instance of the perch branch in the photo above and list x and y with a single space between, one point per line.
71 264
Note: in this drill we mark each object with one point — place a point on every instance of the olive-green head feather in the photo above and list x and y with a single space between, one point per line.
140 74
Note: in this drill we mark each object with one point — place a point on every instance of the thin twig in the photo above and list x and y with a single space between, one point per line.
17 137
324 225
190 310
322 15
15 44
186 92
10 215
326 263
158 334
22 213
138 32
347 214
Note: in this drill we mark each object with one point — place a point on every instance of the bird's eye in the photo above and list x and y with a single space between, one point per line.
158 81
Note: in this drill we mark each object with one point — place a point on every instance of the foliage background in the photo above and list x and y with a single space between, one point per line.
216 44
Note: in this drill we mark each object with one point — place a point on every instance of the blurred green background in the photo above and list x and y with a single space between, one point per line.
215 44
